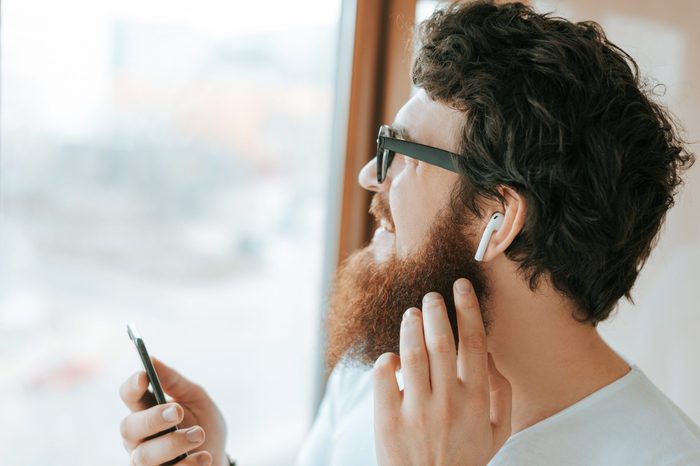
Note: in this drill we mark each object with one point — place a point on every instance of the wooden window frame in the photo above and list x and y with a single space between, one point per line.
371 86
380 85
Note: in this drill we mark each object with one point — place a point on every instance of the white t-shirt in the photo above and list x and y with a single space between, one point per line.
628 422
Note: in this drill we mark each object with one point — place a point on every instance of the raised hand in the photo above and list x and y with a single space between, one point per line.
455 407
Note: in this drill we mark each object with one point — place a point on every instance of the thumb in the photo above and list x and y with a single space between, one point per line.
175 384
501 403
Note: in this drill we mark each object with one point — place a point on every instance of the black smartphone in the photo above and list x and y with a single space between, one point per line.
154 383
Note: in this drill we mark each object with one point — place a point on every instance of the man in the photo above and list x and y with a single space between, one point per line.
532 138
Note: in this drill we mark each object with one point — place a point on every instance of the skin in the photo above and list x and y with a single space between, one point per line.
452 410
202 430
545 359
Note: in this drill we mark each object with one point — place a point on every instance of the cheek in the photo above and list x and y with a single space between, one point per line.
415 198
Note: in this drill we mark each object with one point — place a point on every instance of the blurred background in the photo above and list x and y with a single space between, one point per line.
166 165
193 170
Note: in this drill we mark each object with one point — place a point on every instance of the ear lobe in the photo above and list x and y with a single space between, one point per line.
512 225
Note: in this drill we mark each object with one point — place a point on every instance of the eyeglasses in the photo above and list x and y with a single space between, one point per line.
388 145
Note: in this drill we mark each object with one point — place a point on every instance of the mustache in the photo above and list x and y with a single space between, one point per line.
380 210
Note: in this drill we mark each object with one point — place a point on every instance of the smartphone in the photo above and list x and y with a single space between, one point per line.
154 383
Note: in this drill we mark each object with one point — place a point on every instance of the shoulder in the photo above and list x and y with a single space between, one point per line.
659 426
627 422
348 382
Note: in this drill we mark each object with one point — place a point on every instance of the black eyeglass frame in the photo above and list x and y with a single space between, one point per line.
388 146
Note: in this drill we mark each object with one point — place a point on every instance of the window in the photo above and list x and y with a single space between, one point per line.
168 166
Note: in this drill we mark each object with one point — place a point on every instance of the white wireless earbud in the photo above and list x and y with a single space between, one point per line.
493 225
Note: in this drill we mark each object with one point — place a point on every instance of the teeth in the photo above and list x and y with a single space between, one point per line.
384 224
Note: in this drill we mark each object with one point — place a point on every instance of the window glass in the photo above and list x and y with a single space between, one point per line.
166 165
424 8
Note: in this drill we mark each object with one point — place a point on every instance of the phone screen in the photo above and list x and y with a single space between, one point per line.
152 378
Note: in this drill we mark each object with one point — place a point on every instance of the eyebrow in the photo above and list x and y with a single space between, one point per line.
402 132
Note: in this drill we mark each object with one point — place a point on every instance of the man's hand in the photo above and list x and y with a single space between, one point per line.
453 411
202 430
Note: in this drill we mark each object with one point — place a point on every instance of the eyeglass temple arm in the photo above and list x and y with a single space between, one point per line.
433 155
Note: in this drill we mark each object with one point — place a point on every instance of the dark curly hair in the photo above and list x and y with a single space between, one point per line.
558 113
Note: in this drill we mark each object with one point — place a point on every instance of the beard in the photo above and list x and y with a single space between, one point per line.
369 297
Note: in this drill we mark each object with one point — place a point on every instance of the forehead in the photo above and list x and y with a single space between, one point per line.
430 122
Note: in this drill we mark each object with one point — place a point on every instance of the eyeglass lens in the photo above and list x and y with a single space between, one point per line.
384 156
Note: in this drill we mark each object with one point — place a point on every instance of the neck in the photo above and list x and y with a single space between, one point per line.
550 359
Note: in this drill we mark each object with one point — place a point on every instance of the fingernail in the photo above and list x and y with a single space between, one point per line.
431 297
411 312
203 460
462 285
195 435
170 414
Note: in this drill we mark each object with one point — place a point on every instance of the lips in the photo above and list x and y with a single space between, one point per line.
386 225
379 208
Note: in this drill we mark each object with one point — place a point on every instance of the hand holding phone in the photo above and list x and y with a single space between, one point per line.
159 431
153 380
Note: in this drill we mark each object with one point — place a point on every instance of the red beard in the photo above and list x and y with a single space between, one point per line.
369 297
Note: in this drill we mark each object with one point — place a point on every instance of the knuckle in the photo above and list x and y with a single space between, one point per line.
419 420
124 429
475 342
444 412
128 445
447 404
138 457
124 391
129 389
412 357
173 440
389 419
442 343
479 404
153 423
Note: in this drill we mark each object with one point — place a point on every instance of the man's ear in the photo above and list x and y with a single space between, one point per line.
514 209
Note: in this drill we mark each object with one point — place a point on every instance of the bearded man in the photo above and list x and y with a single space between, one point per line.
532 145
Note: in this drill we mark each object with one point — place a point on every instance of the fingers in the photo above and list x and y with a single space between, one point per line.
142 424
174 383
202 458
472 364
414 358
440 343
501 403
387 396
134 392
167 447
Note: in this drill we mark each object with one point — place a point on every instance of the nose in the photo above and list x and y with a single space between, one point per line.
368 177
